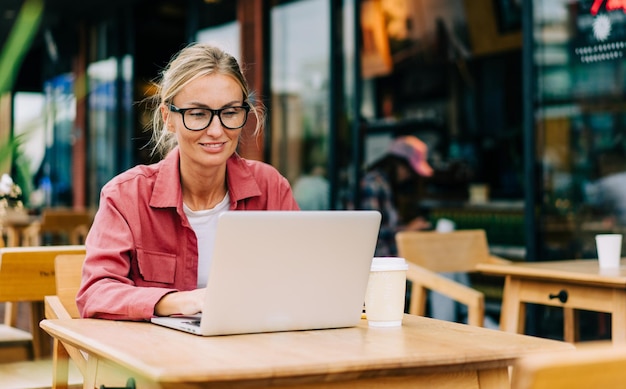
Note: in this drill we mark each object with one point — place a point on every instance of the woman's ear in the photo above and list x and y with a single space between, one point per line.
165 115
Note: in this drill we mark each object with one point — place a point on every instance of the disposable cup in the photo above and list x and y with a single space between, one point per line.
609 250
386 288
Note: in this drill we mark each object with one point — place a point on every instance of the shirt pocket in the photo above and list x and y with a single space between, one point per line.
156 267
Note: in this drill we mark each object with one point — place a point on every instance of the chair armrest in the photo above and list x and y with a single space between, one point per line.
498 260
54 309
425 279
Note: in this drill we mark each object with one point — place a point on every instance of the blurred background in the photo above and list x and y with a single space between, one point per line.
520 102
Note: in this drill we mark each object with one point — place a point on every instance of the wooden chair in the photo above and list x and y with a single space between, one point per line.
27 275
431 252
593 367
68 271
59 226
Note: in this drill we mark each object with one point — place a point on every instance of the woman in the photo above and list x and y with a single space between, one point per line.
149 248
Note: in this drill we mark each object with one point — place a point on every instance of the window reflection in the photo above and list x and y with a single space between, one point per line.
60 116
580 123
300 93
225 36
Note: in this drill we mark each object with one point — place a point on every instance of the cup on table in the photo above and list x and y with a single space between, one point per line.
445 225
609 250
386 288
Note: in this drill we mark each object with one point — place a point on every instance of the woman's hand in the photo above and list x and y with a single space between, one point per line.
181 303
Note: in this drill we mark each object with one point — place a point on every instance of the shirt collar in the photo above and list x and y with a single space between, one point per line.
241 182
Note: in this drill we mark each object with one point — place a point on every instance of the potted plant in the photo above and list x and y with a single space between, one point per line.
15 181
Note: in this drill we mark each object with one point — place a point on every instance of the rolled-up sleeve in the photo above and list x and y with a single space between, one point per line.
120 281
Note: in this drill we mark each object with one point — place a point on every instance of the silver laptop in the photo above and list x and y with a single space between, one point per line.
285 271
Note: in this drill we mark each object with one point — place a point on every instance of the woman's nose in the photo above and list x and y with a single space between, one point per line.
215 125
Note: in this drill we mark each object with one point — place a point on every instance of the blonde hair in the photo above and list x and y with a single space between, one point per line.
192 62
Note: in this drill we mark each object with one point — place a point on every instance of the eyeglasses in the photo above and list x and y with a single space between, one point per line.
197 119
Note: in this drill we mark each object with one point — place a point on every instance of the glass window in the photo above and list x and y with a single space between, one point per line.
225 36
219 26
300 98
55 173
109 121
449 73
29 123
579 57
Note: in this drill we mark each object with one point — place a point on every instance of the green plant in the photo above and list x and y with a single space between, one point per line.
15 162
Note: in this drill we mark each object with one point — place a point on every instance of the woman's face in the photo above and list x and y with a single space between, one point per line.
212 146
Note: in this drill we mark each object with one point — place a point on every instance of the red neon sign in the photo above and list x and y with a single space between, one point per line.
611 5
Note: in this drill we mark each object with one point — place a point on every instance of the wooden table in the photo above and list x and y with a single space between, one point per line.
571 284
15 224
433 353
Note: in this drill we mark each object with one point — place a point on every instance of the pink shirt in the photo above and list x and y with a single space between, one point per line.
141 245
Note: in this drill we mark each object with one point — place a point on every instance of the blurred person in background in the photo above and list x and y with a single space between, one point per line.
405 162
312 191
607 194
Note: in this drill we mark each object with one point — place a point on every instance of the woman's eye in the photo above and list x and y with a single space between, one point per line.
197 113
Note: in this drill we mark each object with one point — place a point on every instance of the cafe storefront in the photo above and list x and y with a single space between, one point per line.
521 103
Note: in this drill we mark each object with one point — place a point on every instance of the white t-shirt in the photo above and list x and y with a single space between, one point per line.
204 224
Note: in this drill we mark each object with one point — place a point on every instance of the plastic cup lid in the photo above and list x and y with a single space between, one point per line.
388 263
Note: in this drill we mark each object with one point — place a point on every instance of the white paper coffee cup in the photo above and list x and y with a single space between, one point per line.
386 288
609 250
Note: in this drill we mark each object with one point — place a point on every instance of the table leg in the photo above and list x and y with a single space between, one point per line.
12 237
513 315
570 325
60 366
618 317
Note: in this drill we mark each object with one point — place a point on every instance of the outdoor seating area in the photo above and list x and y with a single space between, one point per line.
27 276
312 194
63 354
50 226
430 253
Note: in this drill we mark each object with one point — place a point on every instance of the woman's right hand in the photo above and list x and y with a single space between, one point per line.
180 303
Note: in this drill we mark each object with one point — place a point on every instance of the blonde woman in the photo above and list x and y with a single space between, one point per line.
149 248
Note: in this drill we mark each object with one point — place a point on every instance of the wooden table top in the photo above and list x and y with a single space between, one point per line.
581 270
19 219
421 344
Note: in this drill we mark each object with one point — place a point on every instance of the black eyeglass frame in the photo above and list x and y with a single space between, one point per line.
214 112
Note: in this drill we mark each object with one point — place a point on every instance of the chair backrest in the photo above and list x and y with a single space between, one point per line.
456 251
54 219
595 367
68 271
62 305
72 223
28 274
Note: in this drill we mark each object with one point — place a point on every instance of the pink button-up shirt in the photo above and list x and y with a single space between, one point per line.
141 245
